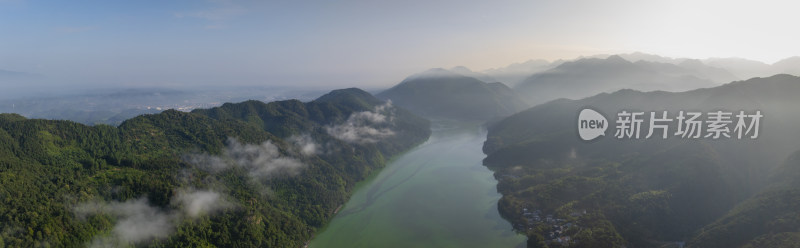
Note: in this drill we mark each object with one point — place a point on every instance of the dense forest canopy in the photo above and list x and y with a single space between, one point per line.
248 174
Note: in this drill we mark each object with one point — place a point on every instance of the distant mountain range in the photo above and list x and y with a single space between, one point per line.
665 73
655 191
439 93
739 67
586 77
744 68
462 93
515 73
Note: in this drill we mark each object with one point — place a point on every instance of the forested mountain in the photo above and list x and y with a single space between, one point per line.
439 93
648 192
250 174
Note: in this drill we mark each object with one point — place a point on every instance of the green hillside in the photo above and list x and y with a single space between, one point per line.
239 175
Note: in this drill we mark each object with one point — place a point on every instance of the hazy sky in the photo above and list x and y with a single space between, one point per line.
364 43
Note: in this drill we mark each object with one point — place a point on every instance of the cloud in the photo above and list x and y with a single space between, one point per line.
208 162
366 126
306 144
139 222
262 161
199 202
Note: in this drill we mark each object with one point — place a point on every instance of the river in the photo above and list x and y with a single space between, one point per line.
436 195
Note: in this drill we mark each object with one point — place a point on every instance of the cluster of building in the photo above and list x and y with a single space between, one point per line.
557 234
558 227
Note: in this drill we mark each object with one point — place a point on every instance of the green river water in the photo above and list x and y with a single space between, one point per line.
436 195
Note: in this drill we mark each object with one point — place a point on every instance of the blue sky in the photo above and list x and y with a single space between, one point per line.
363 43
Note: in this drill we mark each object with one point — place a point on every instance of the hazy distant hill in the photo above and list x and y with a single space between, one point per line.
745 68
477 75
637 56
789 65
742 68
689 68
679 66
515 73
653 191
439 93
717 75
586 77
